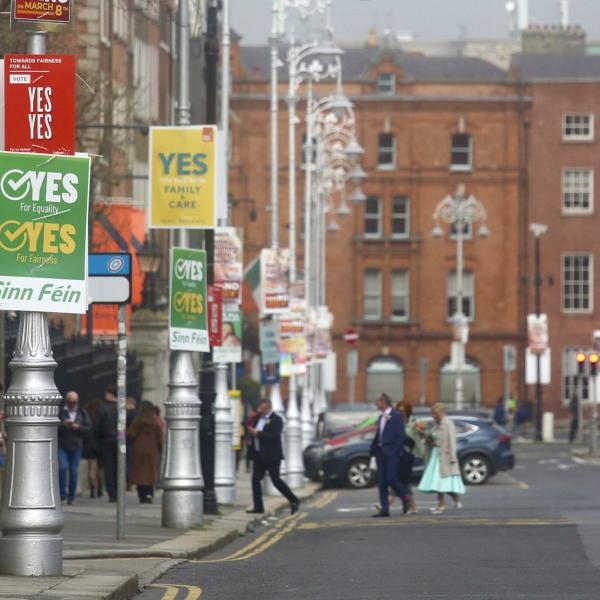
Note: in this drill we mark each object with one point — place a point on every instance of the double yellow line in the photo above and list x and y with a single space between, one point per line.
262 542
171 591
324 500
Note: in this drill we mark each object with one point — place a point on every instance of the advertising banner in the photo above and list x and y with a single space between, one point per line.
230 350
292 355
269 341
188 323
269 373
46 11
183 179
229 262
274 277
43 232
39 97
537 333
215 315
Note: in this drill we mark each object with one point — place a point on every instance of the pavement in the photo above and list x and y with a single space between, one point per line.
98 566
532 533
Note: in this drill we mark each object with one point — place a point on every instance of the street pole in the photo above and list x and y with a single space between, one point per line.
31 516
538 357
121 421
224 455
594 425
182 502
459 391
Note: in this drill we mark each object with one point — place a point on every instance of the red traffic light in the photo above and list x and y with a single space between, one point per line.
580 357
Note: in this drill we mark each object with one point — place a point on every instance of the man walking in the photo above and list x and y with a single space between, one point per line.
267 454
387 448
74 425
106 433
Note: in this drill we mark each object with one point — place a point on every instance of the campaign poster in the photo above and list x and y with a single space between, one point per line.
275 276
230 350
229 262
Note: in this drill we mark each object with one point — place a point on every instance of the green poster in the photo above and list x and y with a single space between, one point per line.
43 232
188 325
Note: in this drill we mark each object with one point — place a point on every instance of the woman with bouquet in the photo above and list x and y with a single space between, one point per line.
442 474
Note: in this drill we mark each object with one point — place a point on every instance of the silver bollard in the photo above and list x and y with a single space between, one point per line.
182 479
224 458
31 516
295 465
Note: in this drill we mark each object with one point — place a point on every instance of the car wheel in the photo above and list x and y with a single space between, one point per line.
475 469
358 474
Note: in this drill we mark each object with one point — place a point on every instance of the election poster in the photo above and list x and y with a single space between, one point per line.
230 350
183 179
275 274
292 359
188 322
215 316
48 11
43 232
229 262
39 98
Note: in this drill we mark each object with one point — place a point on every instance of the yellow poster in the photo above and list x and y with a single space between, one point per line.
183 177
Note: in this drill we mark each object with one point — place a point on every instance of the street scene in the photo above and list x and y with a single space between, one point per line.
297 299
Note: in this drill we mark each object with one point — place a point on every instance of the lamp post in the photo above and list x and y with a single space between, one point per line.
150 258
460 211
538 230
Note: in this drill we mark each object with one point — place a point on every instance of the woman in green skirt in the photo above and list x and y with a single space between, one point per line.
442 474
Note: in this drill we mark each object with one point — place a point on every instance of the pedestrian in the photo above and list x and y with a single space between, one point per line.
500 413
131 412
267 455
442 473
146 439
249 423
91 452
574 410
75 424
106 433
387 448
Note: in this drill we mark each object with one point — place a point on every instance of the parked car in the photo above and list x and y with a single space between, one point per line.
484 449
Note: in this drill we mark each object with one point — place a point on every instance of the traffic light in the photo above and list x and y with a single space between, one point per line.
593 358
580 358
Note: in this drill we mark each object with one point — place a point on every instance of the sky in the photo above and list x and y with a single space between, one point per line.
425 19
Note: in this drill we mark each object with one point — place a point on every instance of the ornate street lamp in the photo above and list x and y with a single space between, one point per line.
459 211
150 257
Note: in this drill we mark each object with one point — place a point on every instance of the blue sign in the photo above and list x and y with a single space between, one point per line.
109 263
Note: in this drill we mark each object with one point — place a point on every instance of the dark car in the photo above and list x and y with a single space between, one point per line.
483 449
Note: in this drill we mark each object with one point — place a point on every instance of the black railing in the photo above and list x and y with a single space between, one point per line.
86 367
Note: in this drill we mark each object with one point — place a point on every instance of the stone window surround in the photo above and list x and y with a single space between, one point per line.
578 137
583 297
574 189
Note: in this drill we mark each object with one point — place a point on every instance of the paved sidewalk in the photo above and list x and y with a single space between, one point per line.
97 566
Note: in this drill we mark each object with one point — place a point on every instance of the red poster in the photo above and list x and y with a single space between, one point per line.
45 11
215 315
39 102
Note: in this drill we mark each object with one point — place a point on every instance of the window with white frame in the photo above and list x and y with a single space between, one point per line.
386 83
571 383
578 127
468 294
373 217
372 294
400 217
400 295
121 20
145 80
577 190
461 152
104 22
386 151
577 283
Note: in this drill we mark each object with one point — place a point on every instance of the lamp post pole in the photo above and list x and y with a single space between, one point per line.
459 396
182 503
31 516
224 455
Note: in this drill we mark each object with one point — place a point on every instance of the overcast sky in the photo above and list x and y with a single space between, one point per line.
426 19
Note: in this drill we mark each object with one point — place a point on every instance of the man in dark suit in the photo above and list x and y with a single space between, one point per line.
267 453
387 448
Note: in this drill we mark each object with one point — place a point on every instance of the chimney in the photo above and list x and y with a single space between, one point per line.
372 39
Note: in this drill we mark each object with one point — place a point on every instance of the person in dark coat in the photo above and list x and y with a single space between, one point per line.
106 435
146 439
267 454
74 425
91 452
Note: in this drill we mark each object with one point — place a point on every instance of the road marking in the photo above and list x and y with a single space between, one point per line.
520 484
324 500
416 520
262 543
193 592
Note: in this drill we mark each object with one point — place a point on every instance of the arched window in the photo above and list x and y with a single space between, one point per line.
385 375
461 152
471 383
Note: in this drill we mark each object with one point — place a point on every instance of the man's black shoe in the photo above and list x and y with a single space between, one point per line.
255 512
380 514
405 505
294 506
